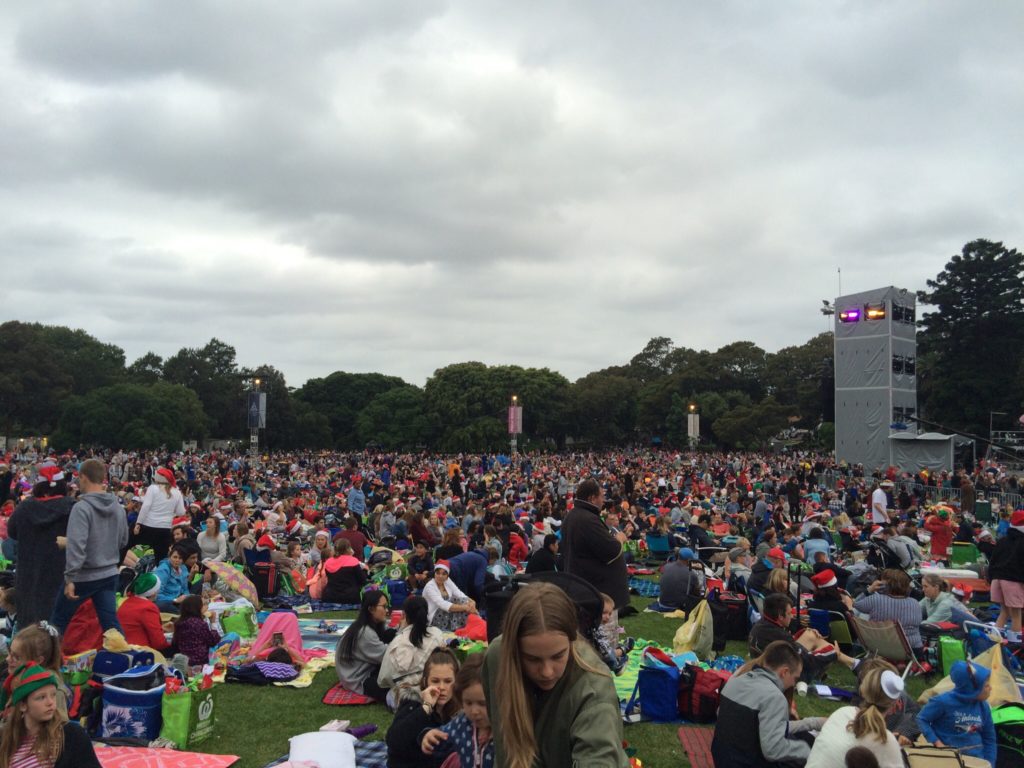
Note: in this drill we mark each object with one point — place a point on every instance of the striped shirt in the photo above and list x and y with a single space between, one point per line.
24 758
905 610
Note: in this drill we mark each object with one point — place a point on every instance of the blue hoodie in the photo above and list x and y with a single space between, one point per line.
958 719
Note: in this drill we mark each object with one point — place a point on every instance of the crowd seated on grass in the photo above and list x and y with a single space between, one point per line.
460 526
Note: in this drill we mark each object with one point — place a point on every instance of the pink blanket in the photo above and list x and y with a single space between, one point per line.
143 757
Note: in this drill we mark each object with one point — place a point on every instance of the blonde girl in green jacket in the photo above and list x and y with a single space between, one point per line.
551 699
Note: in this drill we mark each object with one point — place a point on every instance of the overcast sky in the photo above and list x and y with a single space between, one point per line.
371 185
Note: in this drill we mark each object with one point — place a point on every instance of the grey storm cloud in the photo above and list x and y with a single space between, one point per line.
396 186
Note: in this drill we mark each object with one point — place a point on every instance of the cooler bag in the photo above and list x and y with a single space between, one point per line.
131 704
658 686
700 691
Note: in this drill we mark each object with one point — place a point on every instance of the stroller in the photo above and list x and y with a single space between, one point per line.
589 606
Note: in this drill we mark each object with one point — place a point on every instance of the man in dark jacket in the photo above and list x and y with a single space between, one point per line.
590 550
545 558
754 729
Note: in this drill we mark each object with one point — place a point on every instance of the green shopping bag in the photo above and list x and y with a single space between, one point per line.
188 717
240 620
950 650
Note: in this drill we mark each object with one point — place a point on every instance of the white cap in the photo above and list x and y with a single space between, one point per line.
892 684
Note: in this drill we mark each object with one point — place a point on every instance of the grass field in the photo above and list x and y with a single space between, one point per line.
256 722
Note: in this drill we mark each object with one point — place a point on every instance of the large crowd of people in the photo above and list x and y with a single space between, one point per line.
73 525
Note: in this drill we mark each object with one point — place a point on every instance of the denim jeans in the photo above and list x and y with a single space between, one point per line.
103 594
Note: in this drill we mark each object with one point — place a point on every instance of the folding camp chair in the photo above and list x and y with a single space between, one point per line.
658 546
839 631
887 640
964 553
819 619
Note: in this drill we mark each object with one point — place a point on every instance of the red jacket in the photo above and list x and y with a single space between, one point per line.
140 620
517 551
942 535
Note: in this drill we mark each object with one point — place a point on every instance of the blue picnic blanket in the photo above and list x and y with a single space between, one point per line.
369 754
645 587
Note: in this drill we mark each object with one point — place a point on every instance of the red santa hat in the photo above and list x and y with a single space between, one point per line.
265 542
824 579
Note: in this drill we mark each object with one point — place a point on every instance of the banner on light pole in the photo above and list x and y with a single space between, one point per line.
515 419
257 410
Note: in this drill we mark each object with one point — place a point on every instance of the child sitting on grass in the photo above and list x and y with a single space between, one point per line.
192 634
614 653
469 733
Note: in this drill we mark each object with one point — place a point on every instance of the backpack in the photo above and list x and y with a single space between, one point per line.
1009 722
729 618
700 691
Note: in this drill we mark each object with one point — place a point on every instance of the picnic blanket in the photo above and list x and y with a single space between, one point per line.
144 757
315 606
305 678
645 587
369 754
341 697
625 681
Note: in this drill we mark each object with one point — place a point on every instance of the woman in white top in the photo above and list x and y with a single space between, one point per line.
864 725
213 543
403 663
161 504
448 606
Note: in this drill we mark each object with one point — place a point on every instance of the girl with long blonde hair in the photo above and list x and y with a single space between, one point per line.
37 731
538 676
863 725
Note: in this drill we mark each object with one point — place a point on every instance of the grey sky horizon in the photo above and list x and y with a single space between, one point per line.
398 186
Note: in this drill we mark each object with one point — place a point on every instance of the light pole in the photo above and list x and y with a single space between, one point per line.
693 426
254 423
513 425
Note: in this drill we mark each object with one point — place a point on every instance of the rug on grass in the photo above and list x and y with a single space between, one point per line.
144 757
369 754
341 697
305 678
645 587
696 743
625 682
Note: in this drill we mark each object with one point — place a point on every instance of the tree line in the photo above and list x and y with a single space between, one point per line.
81 391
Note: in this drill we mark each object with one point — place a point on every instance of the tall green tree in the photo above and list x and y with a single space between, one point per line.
132 416
970 342
605 408
41 366
212 373
397 419
795 375
341 396
148 369
750 427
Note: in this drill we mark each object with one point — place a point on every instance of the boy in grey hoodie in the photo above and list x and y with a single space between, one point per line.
97 532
